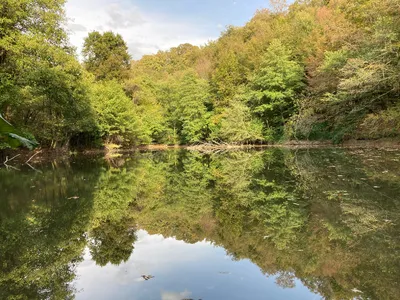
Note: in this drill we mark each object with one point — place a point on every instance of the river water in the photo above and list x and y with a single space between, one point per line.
173 225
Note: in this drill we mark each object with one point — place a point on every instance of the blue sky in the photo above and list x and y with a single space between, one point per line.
152 25
211 12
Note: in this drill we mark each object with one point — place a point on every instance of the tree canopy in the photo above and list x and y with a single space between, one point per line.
106 55
311 70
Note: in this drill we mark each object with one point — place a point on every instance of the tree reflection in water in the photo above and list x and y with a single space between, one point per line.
329 218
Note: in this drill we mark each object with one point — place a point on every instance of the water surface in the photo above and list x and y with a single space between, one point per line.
271 224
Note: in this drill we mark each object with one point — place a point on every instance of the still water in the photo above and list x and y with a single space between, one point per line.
173 225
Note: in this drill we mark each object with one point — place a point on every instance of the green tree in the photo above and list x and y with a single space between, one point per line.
148 109
227 76
41 89
186 101
274 87
106 55
238 125
115 113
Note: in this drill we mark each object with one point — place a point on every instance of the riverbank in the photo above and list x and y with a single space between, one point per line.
381 143
22 155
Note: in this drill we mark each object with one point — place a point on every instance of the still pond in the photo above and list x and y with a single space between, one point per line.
173 225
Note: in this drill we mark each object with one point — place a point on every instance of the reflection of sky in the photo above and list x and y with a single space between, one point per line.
182 271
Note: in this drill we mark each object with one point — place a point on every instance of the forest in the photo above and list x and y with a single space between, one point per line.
312 70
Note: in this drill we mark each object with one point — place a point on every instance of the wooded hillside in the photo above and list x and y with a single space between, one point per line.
318 70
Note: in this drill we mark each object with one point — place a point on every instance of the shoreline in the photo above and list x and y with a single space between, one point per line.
24 154
293 144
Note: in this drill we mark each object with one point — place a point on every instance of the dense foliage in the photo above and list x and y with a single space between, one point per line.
41 90
313 70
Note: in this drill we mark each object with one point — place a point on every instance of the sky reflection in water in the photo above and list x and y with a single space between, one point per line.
182 271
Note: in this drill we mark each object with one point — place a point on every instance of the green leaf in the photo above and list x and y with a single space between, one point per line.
5 127
12 137
23 141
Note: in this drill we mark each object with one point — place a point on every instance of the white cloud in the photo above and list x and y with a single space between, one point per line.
122 18
174 295
143 32
152 255
76 27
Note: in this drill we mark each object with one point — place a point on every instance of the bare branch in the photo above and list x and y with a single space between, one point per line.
34 168
8 160
33 156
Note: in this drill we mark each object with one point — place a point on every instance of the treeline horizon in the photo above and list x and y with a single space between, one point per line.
314 70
